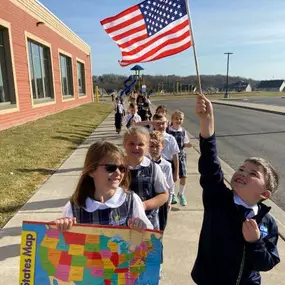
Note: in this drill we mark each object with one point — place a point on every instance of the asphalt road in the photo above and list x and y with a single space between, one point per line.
275 101
242 133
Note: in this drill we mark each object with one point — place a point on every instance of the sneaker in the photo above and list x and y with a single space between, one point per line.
160 272
173 199
182 199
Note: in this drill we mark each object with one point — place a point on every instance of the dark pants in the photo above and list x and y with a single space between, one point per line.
118 121
162 214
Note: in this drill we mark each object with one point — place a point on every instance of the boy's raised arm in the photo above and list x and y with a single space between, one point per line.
204 110
212 178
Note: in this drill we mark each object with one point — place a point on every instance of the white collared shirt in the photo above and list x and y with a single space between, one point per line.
137 118
114 202
160 183
170 146
254 208
120 108
167 171
186 139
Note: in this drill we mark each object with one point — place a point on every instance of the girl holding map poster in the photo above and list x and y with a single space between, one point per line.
101 196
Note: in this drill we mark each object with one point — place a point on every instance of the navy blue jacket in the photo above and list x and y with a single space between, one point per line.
222 247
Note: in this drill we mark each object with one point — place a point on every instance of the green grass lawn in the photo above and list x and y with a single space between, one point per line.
237 95
33 151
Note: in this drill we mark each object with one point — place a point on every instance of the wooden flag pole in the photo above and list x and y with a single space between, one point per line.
194 49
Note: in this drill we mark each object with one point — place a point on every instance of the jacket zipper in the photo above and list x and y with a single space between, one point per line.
241 267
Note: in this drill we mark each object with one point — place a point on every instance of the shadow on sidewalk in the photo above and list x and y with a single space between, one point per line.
41 205
48 171
8 251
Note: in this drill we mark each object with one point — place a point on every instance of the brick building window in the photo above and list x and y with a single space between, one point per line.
7 88
66 75
40 72
81 78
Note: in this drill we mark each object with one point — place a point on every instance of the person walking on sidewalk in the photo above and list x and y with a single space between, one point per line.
120 112
101 195
238 237
147 179
133 116
156 145
176 129
171 149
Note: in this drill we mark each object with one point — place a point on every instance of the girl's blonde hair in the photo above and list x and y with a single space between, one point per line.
136 130
96 153
176 113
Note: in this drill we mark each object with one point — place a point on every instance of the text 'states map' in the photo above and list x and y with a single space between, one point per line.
89 255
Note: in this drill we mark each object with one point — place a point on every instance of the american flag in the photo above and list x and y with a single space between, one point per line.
150 30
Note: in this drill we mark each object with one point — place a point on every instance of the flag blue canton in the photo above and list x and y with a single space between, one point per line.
158 14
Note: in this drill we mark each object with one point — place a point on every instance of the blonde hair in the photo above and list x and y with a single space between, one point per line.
271 175
136 130
157 136
96 153
176 113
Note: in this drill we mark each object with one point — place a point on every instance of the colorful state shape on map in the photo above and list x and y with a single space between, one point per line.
93 259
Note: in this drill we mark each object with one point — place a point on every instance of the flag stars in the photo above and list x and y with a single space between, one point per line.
160 13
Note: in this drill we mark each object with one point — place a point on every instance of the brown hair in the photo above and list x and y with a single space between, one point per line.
132 106
158 117
271 175
163 107
157 136
96 153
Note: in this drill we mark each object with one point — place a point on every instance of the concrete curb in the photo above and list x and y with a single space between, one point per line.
252 106
276 212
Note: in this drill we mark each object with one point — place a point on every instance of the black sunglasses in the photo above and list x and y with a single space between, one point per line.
113 167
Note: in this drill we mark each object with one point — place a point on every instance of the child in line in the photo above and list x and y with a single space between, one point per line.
101 195
156 145
147 179
119 114
161 109
238 237
171 149
132 117
176 129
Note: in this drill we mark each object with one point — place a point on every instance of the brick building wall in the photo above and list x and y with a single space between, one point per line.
28 20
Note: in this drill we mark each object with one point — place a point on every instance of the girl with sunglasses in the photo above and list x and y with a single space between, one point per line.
147 178
101 196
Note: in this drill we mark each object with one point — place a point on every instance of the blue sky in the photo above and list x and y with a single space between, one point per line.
254 30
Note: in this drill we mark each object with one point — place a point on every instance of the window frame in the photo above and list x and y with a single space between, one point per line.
68 97
40 102
81 95
9 107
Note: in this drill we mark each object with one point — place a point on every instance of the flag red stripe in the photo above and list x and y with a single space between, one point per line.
154 39
129 33
163 54
122 14
164 44
124 24
132 41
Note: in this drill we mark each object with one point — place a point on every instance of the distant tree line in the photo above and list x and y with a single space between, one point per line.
169 83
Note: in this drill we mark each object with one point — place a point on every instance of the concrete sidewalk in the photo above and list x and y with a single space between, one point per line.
181 235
